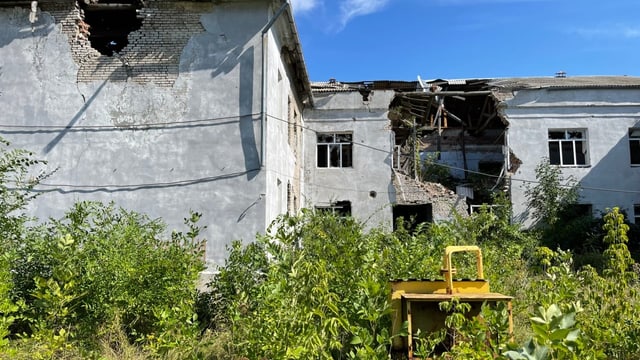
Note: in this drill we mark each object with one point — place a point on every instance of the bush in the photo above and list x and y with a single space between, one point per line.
99 265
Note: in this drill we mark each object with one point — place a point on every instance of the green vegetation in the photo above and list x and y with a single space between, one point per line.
106 283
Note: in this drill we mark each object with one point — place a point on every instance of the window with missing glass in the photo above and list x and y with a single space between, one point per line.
568 147
338 208
335 150
634 146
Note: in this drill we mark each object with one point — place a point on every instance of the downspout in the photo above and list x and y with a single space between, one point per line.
263 111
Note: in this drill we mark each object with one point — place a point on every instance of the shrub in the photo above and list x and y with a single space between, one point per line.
99 264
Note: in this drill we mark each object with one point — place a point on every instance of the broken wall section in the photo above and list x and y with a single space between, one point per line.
152 54
451 132
412 193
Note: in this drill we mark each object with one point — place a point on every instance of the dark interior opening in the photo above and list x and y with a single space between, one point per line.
110 25
412 215
338 208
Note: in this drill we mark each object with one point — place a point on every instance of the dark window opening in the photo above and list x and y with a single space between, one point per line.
339 208
490 167
110 24
575 211
412 215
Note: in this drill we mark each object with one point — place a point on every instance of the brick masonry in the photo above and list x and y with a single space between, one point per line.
153 52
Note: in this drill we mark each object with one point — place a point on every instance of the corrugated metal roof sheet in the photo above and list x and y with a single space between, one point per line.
337 86
330 86
573 82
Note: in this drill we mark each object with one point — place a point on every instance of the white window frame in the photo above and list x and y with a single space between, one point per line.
634 146
568 140
336 144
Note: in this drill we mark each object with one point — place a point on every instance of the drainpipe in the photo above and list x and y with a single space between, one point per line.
263 97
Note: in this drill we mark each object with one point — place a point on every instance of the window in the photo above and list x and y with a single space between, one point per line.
634 146
568 147
338 208
335 150
636 214
410 216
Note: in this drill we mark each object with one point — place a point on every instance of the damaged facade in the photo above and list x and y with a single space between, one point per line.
374 180
169 106
490 134
449 132
159 106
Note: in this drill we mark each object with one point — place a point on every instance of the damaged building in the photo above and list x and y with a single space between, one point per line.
449 132
455 143
369 171
160 106
490 134
166 106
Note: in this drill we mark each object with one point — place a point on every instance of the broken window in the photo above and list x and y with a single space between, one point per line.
634 145
568 147
338 208
489 207
335 150
411 215
109 23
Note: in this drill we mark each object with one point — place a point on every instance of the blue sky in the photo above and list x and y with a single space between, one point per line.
354 40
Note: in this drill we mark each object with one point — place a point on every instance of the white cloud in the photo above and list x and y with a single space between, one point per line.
610 31
352 8
301 6
631 32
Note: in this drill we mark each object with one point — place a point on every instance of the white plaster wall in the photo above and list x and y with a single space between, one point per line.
280 158
606 114
371 171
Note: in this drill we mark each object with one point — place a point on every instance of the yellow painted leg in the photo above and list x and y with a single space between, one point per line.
409 330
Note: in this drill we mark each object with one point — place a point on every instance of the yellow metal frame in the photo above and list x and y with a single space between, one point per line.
404 293
447 267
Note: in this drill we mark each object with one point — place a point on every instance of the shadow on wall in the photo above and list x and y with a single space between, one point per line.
17 26
245 104
615 174
74 120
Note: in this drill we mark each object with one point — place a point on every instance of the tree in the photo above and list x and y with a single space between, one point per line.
551 194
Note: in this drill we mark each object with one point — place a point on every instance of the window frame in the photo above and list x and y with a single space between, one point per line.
331 147
636 214
634 146
568 144
341 208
